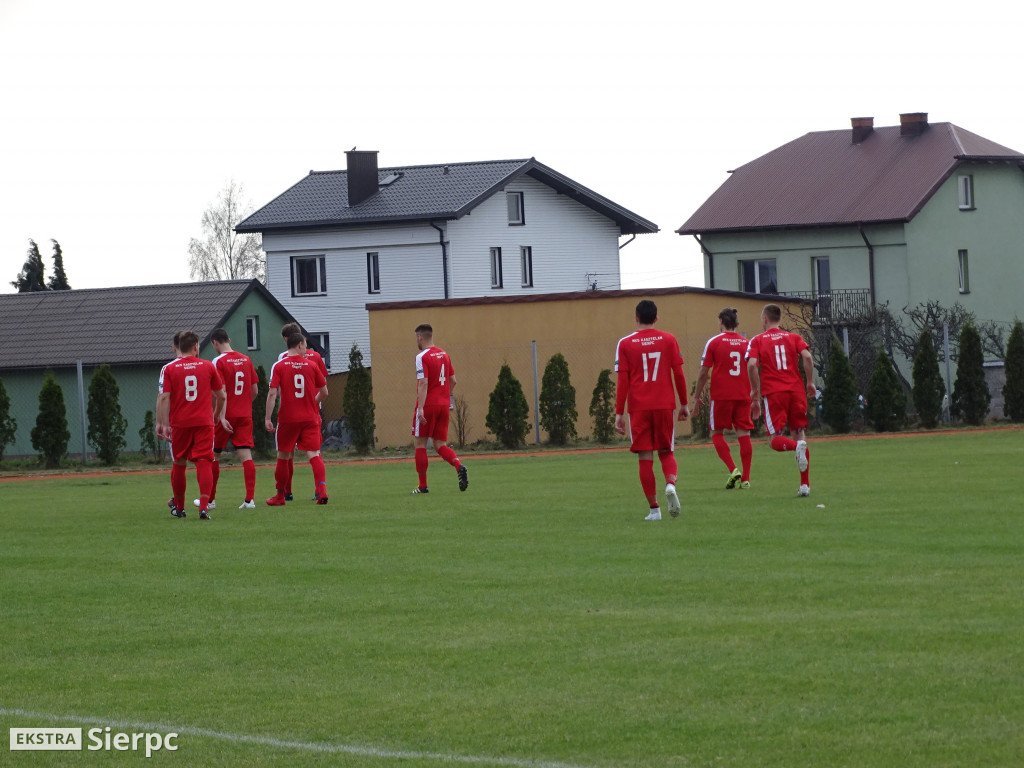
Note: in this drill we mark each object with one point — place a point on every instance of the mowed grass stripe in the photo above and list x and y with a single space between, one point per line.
537 617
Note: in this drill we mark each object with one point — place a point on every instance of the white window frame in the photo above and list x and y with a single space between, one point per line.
965 192
526 265
373 272
323 340
963 271
321 275
516 209
496 279
252 332
757 274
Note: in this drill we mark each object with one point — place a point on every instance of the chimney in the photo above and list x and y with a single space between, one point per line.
862 128
913 123
362 176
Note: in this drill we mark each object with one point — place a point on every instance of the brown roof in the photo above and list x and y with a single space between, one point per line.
824 179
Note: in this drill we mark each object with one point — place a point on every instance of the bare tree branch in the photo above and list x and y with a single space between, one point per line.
222 254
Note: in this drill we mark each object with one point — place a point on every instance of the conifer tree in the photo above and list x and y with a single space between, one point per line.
508 412
264 441
107 425
8 424
149 445
50 435
839 396
887 404
31 276
970 391
602 407
558 401
357 402
59 279
928 388
1013 390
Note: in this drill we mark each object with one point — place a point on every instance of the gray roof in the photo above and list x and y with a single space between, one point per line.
118 326
825 179
421 193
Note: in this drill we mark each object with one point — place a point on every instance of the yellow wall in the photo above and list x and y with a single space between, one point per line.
480 335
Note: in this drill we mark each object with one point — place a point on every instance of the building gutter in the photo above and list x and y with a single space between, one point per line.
871 263
444 257
711 261
628 242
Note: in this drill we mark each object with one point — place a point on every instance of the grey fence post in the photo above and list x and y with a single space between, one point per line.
536 397
81 409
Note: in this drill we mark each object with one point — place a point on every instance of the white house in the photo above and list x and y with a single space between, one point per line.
339 240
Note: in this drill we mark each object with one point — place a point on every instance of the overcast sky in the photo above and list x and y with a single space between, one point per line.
122 120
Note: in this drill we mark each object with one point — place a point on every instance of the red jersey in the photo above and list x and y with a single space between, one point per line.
310 354
434 365
725 354
298 380
648 362
239 377
778 355
191 382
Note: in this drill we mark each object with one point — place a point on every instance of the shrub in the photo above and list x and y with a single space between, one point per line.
358 402
508 412
1013 390
929 388
839 395
149 445
50 435
8 424
558 401
886 410
970 392
602 407
699 413
264 441
107 425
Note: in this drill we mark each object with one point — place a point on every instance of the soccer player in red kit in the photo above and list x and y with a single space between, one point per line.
648 362
772 360
724 359
191 401
241 386
302 386
314 356
435 379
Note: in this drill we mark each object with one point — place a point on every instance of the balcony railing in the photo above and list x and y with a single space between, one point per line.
839 304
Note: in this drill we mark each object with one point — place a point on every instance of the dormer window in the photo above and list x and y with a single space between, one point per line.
965 191
516 216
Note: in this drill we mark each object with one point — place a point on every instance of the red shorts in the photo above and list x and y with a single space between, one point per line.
729 414
652 430
192 443
240 438
304 435
436 425
782 408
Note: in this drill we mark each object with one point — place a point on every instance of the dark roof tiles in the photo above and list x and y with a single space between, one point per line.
824 179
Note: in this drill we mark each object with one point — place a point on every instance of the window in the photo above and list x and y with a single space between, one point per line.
526 263
758 276
252 332
323 341
309 276
965 286
495 267
373 272
516 216
965 191
822 284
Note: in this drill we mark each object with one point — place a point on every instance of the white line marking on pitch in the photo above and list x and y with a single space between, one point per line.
308 746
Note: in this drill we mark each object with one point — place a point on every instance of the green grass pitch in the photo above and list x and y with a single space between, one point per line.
535 620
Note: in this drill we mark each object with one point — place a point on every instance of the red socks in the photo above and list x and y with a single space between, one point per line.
215 470
746 455
722 447
805 476
319 471
204 473
647 481
421 466
249 472
178 485
446 453
287 487
669 466
782 444
282 477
